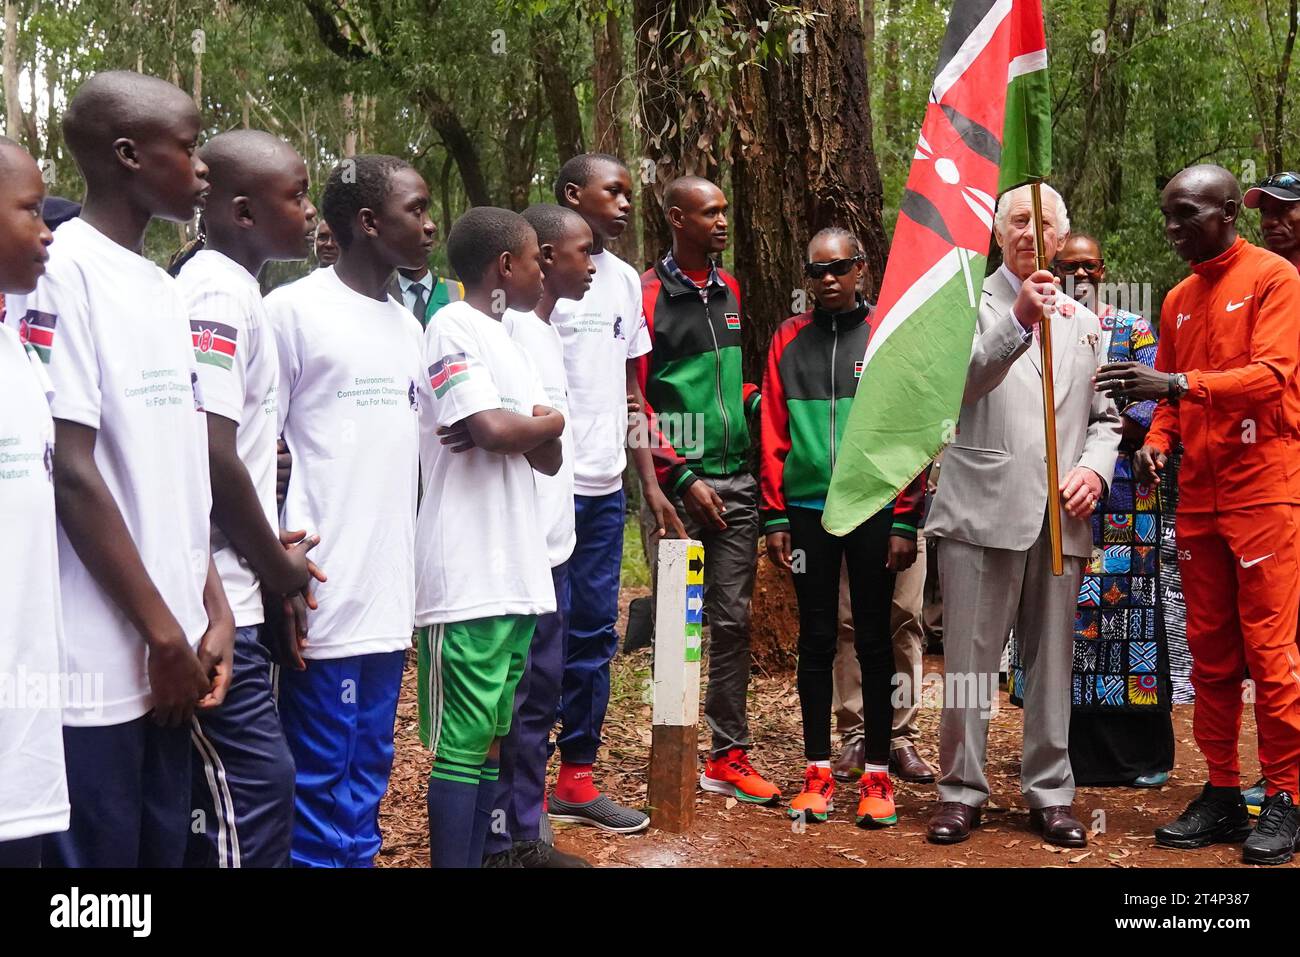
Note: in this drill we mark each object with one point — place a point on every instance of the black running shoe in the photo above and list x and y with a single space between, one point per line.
602 813
1276 831
1218 816
501 859
534 854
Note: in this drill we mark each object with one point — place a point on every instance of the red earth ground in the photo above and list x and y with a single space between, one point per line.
726 834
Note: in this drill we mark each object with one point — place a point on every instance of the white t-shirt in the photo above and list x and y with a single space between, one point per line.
480 545
114 332
601 331
541 343
240 374
33 789
349 366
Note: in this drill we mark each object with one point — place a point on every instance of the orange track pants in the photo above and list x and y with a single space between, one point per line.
1241 582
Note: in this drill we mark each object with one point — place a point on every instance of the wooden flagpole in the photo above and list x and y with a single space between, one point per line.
1049 397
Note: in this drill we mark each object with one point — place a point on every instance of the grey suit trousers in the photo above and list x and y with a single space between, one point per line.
986 591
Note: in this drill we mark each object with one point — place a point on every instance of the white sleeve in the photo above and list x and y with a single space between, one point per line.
59 309
222 344
459 382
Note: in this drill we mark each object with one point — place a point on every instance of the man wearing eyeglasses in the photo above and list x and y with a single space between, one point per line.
989 524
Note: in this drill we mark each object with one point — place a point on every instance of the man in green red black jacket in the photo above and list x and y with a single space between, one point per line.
813 367
694 392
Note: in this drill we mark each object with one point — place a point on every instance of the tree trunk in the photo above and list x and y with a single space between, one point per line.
607 126
13 107
803 159
680 129
456 139
349 125
893 119
561 92
1279 90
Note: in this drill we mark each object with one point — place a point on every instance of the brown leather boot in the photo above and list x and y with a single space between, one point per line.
951 822
909 766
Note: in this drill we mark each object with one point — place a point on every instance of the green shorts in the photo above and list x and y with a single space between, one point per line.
468 672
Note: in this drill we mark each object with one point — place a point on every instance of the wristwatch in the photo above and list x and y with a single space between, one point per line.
1177 386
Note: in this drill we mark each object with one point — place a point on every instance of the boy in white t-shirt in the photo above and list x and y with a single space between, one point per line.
602 333
349 363
243 773
33 789
145 617
481 545
564 239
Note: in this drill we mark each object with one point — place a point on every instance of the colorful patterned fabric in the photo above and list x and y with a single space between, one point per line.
1120 656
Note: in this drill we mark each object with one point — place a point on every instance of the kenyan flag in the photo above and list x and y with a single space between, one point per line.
214 342
446 372
36 330
991 77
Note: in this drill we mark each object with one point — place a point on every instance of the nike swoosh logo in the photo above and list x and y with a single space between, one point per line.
1234 306
1246 564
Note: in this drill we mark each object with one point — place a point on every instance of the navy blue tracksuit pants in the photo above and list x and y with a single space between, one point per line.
593 577
242 780
517 810
129 787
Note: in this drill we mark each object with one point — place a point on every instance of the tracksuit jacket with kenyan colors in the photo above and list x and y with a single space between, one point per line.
695 368
813 368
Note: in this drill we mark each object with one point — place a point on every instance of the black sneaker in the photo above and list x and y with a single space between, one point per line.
540 854
602 813
1218 816
504 858
1276 831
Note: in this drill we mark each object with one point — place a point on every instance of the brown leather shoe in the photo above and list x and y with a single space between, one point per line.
1058 826
909 766
852 757
951 822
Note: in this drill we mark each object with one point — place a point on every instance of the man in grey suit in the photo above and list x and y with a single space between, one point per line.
989 523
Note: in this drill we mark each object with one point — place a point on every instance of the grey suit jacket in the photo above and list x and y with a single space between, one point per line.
993 491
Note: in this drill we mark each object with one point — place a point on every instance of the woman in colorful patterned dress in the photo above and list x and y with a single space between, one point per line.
1121 732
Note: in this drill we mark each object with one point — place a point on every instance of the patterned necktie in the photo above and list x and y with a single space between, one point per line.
421 301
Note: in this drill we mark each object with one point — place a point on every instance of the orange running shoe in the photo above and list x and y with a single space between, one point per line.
814 802
876 800
734 776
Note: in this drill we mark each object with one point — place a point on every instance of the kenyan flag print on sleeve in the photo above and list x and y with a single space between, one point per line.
447 371
36 331
214 342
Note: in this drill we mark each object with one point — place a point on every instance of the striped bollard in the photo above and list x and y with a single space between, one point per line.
679 617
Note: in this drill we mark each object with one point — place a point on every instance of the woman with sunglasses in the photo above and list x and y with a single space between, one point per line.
813 368
1130 622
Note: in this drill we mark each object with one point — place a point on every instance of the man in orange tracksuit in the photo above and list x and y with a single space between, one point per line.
1226 366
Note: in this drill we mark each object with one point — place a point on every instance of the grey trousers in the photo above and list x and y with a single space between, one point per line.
985 592
905 619
730 557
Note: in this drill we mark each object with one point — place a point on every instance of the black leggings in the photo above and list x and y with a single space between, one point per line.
816 556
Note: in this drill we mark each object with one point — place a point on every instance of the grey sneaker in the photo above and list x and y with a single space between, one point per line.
534 854
602 813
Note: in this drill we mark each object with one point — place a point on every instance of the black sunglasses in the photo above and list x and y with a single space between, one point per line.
1064 266
837 267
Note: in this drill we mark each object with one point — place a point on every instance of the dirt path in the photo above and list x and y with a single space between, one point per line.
744 836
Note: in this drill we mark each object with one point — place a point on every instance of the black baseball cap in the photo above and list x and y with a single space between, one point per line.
1283 186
